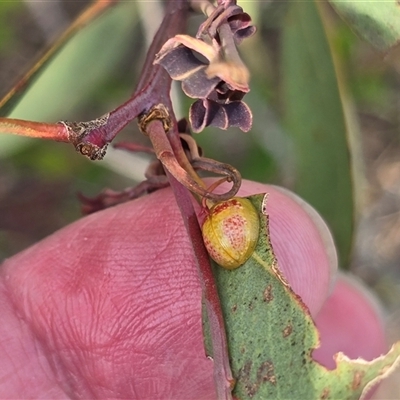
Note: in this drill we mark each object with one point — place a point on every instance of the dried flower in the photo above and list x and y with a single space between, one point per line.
211 70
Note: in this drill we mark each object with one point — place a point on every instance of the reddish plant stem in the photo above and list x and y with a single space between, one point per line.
157 82
153 88
164 152
57 132
222 371
154 84
174 22
176 144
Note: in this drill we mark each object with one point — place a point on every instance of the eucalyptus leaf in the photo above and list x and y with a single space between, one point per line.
314 117
82 64
9 101
375 21
70 76
271 335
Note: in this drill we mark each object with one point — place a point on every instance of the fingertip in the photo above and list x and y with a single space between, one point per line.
121 288
324 232
304 247
351 321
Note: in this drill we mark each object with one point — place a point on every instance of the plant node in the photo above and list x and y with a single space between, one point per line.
157 112
87 137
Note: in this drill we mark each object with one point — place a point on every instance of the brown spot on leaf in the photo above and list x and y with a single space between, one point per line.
234 308
244 376
325 394
357 379
287 331
266 373
268 295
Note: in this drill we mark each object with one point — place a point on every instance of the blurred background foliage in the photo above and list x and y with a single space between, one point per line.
326 125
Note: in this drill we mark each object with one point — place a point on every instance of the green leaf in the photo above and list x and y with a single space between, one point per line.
12 98
271 335
88 59
375 21
315 119
71 75
7 35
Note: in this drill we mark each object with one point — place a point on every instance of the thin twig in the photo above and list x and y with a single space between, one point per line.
57 132
222 372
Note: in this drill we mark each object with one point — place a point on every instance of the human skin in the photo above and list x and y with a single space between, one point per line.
110 306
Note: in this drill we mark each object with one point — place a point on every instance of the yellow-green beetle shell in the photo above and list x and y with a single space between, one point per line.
230 232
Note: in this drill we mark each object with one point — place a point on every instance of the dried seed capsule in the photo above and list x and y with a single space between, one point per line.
230 232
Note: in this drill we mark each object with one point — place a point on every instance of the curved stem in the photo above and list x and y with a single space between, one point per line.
164 152
176 145
193 148
227 170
